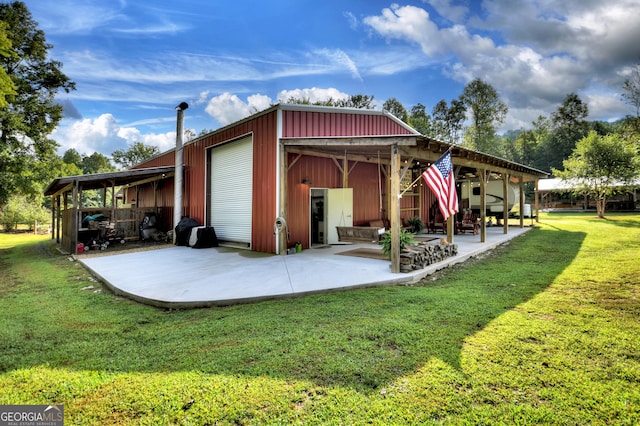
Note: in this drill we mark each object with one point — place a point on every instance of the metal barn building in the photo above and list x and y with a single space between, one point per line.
293 173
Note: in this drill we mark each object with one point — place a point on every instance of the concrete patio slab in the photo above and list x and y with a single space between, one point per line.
181 277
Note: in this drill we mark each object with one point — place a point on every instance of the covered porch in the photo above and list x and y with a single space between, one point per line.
400 161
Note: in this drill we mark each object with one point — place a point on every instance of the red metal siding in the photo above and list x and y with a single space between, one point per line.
323 173
263 128
304 124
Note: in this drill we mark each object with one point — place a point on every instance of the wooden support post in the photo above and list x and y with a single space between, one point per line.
75 223
114 217
537 202
483 174
345 171
505 204
282 240
394 202
521 186
58 219
53 217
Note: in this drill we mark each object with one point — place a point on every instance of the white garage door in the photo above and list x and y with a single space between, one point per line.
232 190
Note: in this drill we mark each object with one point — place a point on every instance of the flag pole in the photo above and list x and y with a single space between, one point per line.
418 178
411 185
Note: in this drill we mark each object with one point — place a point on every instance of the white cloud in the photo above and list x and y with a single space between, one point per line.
448 10
104 135
554 48
339 59
228 108
313 94
351 19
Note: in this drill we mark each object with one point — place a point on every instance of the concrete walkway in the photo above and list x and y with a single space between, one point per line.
181 277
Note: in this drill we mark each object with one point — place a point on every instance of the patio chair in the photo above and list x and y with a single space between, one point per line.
469 223
439 224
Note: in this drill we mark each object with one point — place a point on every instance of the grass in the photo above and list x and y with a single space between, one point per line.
542 331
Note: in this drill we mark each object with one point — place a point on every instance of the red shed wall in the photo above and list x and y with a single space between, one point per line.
264 131
303 124
323 173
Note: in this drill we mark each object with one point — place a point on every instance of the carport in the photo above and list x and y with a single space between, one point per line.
67 210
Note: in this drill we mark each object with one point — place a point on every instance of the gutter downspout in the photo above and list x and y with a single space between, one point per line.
177 178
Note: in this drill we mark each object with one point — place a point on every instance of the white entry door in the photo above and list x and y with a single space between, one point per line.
339 211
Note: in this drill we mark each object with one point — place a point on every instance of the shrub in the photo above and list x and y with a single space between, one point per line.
406 239
416 224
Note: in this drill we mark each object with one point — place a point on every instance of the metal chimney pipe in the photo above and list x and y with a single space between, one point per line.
177 178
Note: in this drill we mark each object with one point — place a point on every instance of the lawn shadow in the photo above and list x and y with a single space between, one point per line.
361 339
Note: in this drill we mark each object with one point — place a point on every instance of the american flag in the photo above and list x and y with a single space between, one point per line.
439 177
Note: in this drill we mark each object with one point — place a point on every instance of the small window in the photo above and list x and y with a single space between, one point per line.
476 190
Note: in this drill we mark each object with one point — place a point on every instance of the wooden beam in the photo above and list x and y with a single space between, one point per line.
282 242
66 188
537 201
394 202
352 157
505 203
294 161
345 171
409 140
521 185
483 175
151 179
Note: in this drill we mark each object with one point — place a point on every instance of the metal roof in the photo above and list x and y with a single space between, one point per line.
97 180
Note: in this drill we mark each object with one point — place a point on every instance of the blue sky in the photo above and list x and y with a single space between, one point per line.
134 61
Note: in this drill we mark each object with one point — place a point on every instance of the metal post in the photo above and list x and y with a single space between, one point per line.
177 179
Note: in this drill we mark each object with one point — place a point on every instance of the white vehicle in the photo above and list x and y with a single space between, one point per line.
470 191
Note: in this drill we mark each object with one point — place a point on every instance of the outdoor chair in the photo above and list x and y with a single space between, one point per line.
439 224
469 223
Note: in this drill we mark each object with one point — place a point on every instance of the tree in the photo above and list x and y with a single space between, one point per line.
599 165
21 210
420 120
448 120
487 113
398 110
568 126
96 163
7 88
357 101
353 101
26 151
136 154
71 156
631 90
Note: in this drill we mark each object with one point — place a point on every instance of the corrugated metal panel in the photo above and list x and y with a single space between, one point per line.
263 128
301 124
322 172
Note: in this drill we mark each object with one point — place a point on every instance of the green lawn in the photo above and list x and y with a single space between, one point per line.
543 331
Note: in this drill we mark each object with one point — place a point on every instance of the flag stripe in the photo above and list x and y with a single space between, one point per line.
439 178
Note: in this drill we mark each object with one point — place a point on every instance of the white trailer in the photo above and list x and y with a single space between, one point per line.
470 191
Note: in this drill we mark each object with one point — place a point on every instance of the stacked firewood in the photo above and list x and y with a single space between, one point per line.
424 254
